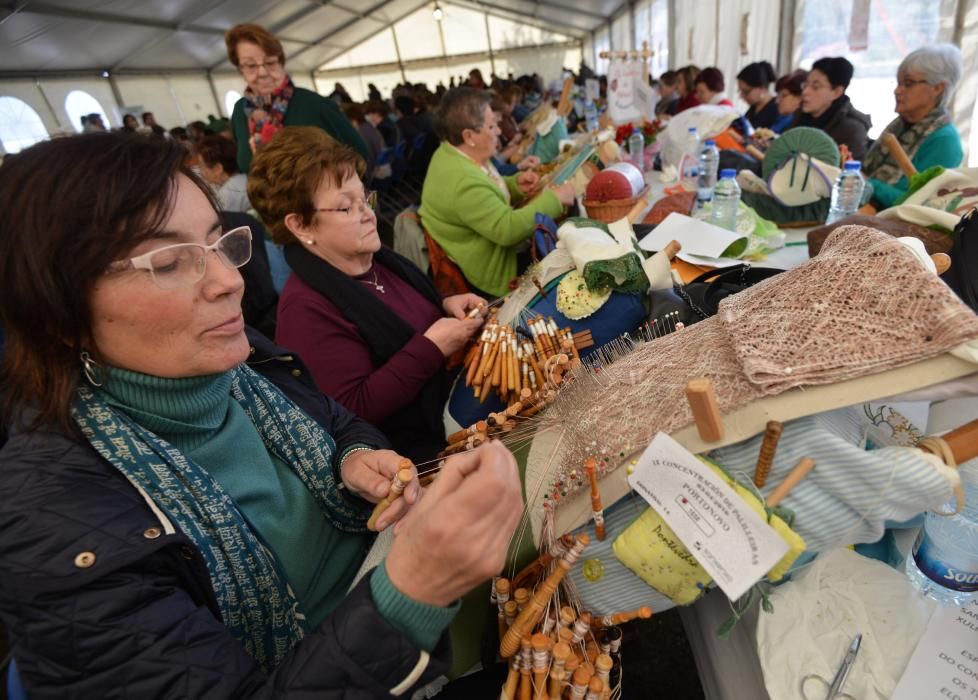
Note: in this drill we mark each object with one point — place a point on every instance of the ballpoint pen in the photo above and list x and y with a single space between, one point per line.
835 688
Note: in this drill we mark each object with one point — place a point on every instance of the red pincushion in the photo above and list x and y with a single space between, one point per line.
607 186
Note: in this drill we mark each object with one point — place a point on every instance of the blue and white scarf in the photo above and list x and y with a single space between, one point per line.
254 598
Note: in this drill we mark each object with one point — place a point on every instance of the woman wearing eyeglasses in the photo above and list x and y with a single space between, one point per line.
182 512
271 101
371 325
926 80
826 106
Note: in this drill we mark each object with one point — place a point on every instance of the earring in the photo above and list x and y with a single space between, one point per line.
90 368
310 241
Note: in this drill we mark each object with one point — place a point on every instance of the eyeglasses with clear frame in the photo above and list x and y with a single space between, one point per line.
184 264
269 64
907 83
368 201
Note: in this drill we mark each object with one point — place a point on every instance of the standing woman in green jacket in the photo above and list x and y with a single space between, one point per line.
271 101
926 80
468 207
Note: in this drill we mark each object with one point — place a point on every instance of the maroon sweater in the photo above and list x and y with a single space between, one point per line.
337 356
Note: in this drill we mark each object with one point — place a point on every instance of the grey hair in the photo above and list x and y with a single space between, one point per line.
461 108
940 63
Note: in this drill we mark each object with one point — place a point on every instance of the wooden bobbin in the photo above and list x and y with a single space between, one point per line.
793 479
534 610
706 413
560 654
522 597
526 666
672 248
602 668
597 510
502 597
595 689
579 684
400 482
772 433
620 618
899 155
512 679
963 442
541 662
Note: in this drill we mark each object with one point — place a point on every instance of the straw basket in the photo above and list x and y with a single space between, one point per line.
613 209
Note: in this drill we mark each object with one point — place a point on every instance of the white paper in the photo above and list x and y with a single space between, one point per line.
592 89
696 237
728 539
645 99
945 662
623 76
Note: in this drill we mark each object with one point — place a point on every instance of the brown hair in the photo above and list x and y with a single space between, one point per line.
670 78
219 150
712 77
70 208
256 35
791 82
461 108
687 74
288 170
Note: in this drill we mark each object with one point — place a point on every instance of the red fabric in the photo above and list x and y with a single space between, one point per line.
447 276
685 103
340 361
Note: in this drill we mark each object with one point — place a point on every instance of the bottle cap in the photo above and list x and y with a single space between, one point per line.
711 142
728 172
853 165
692 129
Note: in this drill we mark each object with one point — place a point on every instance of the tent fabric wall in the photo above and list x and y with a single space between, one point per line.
57 90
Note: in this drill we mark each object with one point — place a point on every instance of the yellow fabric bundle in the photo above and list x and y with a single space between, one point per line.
650 549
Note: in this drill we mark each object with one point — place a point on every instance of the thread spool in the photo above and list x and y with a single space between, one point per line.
772 433
560 654
602 667
526 685
582 626
400 482
541 660
595 689
579 684
502 597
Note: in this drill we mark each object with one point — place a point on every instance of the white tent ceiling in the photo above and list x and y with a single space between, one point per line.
132 36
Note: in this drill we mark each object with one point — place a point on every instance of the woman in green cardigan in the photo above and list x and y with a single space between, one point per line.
926 80
271 101
467 206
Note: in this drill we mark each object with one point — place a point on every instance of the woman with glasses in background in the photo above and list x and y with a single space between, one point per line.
370 325
926 80
271 101
182 513
826 106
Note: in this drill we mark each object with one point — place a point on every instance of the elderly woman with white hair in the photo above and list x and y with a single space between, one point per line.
926 80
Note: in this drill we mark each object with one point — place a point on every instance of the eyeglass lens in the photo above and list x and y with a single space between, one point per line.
183 265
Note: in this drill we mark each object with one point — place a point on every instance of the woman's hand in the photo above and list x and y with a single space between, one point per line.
451 334
459 533
460 305
528 162
368 474
565 193
527 181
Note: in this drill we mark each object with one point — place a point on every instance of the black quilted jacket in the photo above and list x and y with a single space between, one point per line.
100 604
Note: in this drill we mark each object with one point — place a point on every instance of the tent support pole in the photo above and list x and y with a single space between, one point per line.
217 99
492 57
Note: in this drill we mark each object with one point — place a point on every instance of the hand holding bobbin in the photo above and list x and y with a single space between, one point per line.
371 474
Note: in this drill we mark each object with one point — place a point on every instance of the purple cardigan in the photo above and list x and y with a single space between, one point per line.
339 359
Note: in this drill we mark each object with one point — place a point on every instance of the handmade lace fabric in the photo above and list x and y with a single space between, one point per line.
862 306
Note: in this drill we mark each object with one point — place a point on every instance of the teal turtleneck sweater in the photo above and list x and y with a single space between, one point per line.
198 416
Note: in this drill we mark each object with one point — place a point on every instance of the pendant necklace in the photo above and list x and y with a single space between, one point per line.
374 283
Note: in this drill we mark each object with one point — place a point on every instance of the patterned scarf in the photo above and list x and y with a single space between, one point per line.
256 602
266 112
878 163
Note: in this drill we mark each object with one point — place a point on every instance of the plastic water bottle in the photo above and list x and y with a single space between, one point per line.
636 149
847 192
944 562
689 165
726 200
708 164
591 115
